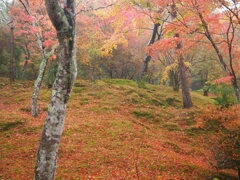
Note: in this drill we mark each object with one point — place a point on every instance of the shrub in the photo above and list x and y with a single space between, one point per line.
224 94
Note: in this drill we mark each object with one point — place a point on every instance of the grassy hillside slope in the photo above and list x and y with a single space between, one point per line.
113 130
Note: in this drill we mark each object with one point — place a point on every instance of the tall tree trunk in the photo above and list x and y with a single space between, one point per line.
64 22
12 70
186 96
147 57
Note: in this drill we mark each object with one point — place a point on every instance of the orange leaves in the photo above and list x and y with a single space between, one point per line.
226 79
163 45
225 124
49 43
226 116
52 57
168 44
25 62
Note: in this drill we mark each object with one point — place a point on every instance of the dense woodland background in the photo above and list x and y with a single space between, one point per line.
156 97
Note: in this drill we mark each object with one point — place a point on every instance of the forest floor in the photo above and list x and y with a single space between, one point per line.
114 129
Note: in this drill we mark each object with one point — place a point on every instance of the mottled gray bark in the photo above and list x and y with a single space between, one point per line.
12 70
41 72
43 65
37 86
147 57
38 82
64 22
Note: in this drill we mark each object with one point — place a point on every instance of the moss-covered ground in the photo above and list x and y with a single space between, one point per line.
114 130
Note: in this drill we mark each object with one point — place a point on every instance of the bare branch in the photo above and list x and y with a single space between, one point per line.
95 9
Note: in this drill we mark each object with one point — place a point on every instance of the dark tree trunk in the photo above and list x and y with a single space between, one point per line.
238 173
236 89
24 69
174 80
27 57
33 71
146 61
111 74
147 58
205 93
12 70
186 96
64 22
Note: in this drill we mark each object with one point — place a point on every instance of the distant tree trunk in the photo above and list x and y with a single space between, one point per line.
147 57
204 79
33 70
64 23
236 89
24 69
205 92
111 74
174 80
12 70
27 57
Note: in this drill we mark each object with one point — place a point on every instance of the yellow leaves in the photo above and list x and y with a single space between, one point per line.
107 50
188 65
171 67
170 34
112 43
